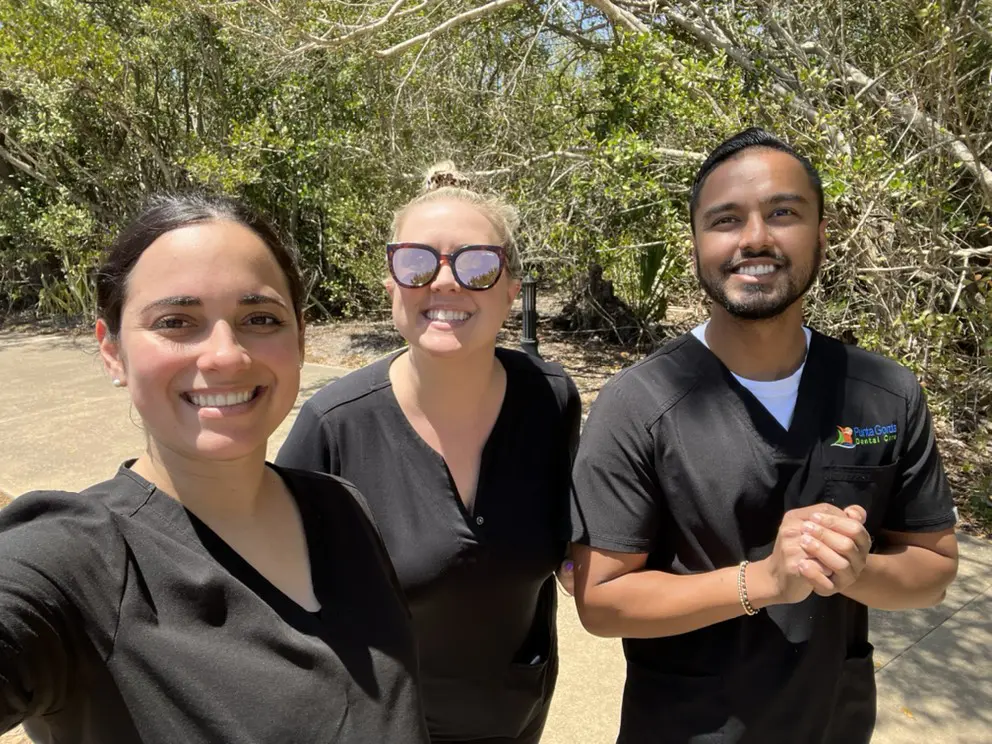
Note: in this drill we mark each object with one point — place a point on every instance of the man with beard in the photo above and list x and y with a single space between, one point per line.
745 493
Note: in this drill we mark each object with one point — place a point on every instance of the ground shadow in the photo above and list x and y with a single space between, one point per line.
943 679
18 339
376 340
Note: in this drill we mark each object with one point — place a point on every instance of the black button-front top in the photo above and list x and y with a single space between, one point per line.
125 619
680 461
478 582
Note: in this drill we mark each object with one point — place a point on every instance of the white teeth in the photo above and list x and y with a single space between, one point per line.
446 315
222 400
756 269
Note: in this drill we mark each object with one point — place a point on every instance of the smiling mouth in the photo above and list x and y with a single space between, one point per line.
756 269
222 400
447 316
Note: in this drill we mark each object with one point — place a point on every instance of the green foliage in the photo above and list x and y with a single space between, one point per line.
594 132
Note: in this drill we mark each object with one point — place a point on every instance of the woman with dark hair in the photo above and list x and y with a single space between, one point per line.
464 451
202 594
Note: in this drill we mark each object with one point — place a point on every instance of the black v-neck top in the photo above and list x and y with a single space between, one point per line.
680 461
124 618
479 584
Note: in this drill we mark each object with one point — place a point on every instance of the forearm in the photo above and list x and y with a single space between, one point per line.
33 667
904 577
655 604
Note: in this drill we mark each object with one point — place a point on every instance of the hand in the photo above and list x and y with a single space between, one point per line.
790 573
566 576
839 542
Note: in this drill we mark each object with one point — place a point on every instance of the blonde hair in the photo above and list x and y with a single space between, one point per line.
443 182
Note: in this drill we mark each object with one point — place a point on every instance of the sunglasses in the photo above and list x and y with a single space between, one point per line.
475 267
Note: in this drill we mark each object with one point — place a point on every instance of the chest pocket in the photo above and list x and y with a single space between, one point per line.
868 486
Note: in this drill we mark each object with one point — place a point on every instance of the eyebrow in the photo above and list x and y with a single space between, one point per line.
783 198
190 301
259 299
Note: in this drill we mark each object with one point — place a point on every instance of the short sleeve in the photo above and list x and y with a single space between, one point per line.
616 497
308 446
921 500
56 565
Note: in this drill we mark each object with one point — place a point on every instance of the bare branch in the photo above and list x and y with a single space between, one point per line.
451 23
585 154
921 122
785 86
160 162
579 39
666 152
576 154
46 179
980 29
968 252
27 169
361 31
781 33
619 17
399 92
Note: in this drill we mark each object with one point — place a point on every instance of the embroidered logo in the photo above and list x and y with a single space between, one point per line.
849 437
845 438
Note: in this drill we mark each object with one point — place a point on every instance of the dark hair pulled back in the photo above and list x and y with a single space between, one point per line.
167 212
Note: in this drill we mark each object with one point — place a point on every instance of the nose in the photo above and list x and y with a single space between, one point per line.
445 279
754 236
222 351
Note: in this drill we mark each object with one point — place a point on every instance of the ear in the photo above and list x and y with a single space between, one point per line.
390 285
513 289
110 352
695 257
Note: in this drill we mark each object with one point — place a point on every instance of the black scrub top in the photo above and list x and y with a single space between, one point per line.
479 583
125 619
680 461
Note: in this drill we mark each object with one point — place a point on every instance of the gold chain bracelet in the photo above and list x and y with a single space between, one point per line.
742 589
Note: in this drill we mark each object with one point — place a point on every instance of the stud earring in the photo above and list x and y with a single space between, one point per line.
117 382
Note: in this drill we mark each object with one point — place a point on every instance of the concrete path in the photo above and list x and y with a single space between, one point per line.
62 425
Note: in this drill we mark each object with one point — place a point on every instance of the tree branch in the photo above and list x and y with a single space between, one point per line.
588 44
783 86
357 33
449 24
575 154
585 154
51 182
915 118
619 16
27 169
667 152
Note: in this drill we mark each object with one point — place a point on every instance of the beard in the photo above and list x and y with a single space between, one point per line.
760 301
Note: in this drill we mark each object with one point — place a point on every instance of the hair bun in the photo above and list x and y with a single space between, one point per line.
445 175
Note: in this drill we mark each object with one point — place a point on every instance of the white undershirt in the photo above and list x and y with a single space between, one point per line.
777 396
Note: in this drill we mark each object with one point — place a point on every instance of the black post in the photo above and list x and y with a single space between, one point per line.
528 331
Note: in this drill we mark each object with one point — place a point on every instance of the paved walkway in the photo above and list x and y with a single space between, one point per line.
62 425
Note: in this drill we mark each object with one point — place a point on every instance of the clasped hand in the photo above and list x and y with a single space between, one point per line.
819 548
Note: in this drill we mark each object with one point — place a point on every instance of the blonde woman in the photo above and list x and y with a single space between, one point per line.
463 450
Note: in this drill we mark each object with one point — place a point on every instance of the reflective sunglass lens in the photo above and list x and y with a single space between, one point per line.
413 267
478 269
